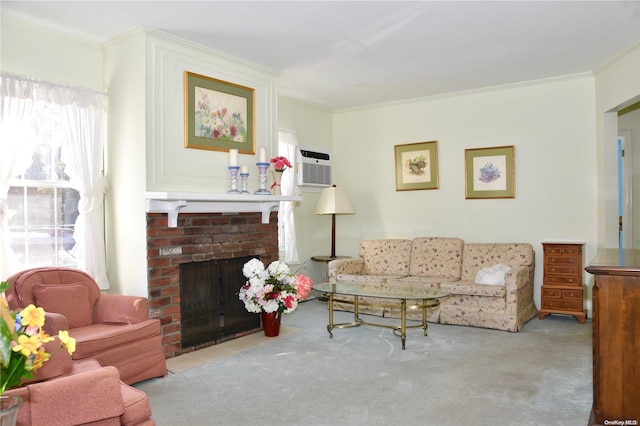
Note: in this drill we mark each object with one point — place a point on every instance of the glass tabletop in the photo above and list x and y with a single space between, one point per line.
393 291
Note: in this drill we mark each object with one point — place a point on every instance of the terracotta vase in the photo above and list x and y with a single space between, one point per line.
275 187
271 323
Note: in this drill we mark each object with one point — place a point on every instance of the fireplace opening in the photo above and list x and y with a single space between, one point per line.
209 306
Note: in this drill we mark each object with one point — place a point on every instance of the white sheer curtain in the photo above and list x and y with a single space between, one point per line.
16 105
84 125
287 143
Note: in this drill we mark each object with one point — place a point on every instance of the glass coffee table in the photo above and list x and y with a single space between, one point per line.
403 297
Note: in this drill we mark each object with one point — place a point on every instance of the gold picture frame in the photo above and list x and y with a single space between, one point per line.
490 172
218 115
416 166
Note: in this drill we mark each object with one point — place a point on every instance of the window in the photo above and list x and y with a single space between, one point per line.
51 180
42 207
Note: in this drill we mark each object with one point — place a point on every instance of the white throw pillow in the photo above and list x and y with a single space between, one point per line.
492 276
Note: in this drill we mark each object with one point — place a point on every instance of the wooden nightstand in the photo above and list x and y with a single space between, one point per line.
562 289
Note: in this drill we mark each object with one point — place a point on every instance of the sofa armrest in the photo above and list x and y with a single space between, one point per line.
345 266
519 286
120 309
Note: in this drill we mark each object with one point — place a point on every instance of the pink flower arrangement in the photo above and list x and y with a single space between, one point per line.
273 289
280 164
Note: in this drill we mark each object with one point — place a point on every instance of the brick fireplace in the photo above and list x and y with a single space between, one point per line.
198 237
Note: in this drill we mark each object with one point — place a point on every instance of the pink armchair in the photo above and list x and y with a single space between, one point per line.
115 330
86 394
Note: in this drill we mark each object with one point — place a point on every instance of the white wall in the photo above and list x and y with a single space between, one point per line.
145 78
126 171
171 166
629 124
617 86
35 52
552 126
314 127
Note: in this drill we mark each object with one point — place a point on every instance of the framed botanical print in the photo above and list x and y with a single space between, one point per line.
416 166
218 115
490 172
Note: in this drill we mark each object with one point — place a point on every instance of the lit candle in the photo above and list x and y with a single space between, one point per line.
263 155
244 170
233 157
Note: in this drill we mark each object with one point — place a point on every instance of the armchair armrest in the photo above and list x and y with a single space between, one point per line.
345 266
77 399
120 309
54 322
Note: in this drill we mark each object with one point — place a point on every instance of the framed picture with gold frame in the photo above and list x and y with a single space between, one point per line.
490 172
416 166
218 115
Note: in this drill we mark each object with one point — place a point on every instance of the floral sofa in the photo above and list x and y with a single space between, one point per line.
490 284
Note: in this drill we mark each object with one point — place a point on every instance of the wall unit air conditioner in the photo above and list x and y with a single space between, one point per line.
313 167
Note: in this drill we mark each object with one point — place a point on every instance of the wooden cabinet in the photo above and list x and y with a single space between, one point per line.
616 337
562 288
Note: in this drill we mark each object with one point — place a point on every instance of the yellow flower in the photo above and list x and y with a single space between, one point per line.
5 312
67 341
27 345
32 316
39 359
44 337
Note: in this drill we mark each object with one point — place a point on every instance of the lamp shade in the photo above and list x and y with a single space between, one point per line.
334 200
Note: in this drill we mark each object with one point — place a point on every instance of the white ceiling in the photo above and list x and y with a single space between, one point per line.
341 54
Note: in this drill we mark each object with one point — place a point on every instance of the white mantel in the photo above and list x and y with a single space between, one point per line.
173 203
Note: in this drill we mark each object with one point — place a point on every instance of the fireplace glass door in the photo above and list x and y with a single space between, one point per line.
209 306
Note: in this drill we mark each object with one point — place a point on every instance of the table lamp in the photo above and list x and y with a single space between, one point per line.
334 201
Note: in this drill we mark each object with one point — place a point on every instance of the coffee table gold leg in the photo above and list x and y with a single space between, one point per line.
424 316
403 319
330 325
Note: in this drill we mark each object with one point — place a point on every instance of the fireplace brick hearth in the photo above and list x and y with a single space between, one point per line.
198 237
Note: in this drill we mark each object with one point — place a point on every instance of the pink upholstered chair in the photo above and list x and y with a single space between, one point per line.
115 330
85 394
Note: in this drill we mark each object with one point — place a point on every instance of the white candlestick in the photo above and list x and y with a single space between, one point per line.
263 155
244 169
233 157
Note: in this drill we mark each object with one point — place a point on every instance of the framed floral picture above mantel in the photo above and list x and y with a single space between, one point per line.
218 115
416 166
490 172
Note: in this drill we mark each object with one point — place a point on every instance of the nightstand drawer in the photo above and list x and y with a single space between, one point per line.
562 250
566 270
572 294
551 292
560 279
561 304
561 260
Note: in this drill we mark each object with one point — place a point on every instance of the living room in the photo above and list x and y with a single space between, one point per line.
561 128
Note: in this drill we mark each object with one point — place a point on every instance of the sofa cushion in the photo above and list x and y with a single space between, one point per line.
355 278
386 257
97 338
70 300
436 256
474 289
476 256
427 282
